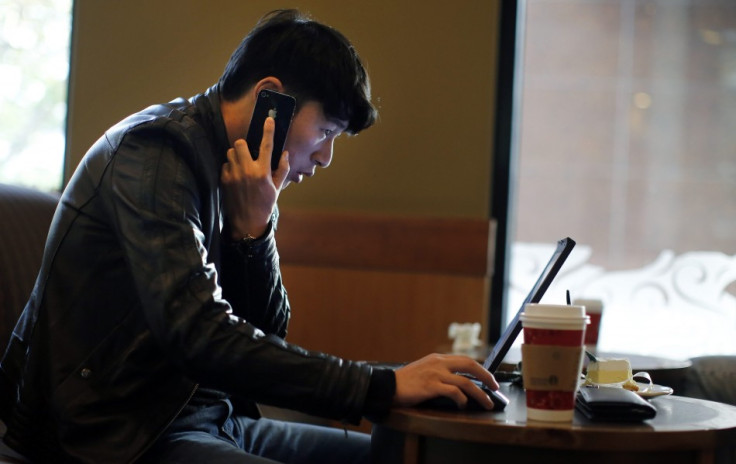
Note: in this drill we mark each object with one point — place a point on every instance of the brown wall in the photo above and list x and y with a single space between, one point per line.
432 65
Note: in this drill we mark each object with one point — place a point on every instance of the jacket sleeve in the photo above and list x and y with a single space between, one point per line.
251 281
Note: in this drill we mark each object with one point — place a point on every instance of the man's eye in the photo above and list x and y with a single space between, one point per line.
328 132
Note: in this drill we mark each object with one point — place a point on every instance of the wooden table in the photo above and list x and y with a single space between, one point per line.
685 430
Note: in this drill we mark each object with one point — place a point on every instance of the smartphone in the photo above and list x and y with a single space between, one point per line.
281 108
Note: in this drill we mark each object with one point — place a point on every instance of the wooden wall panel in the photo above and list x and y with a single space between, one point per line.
433 245
378 315
383 288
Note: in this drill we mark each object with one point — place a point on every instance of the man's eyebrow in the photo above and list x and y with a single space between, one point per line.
341 124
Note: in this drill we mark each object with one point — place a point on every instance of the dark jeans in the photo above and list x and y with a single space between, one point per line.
212 434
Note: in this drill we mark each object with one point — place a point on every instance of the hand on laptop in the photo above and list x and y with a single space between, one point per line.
436 375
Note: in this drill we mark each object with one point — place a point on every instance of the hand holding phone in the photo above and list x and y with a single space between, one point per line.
281 108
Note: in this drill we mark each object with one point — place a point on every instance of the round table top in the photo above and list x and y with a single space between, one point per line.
680 423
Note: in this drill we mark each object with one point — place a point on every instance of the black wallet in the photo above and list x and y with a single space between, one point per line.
613 404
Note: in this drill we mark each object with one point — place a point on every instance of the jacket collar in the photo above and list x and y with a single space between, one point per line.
208 105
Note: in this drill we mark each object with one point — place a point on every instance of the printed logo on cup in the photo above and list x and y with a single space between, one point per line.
553 368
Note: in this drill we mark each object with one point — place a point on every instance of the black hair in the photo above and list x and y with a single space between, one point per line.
313 61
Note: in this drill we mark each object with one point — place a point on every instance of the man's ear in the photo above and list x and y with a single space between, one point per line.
268 83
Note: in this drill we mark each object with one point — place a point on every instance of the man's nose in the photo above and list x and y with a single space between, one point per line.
323 156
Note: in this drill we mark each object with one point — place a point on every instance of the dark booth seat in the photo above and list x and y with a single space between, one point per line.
25 215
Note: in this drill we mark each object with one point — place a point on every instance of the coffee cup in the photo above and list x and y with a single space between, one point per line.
594 309
552 359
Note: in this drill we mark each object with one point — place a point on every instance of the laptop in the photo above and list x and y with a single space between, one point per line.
501 348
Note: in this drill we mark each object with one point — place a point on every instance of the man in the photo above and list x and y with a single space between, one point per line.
158 317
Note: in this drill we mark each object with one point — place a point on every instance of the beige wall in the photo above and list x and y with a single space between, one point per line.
432 65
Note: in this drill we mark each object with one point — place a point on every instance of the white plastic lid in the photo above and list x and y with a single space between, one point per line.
554 311
569 317
591 305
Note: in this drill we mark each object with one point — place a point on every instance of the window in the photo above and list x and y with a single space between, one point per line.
627 144
34 67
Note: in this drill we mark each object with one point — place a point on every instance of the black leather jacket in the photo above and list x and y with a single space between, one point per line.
141 297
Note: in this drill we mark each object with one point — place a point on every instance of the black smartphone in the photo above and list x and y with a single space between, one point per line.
281 108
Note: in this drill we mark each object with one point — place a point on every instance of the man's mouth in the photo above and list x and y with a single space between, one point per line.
302 175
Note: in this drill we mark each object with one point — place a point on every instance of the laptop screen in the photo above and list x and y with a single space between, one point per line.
502 347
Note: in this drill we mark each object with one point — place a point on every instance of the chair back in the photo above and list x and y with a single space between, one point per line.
25 216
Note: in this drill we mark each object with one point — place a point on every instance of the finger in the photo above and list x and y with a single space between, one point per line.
225 172
282 171
238 153
470 389
454 393
470 366
482 374
266 149
475 392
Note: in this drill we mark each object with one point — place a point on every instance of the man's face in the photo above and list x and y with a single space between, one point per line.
310 141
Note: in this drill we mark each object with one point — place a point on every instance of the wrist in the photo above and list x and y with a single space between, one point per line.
248 242
248 233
